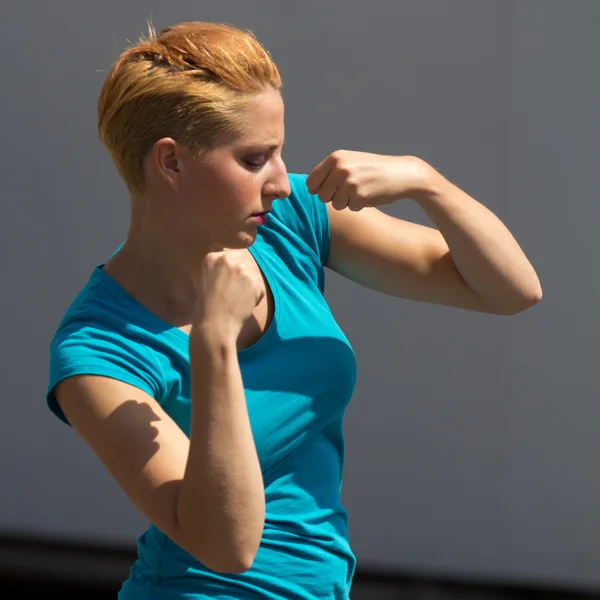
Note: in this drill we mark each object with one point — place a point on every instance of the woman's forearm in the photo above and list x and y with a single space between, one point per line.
484 251
221 504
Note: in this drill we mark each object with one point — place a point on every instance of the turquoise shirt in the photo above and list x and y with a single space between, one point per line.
298 379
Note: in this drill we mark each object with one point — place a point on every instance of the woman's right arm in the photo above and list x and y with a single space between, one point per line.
204 492
223 479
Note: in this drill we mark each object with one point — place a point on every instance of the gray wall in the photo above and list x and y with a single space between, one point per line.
472 440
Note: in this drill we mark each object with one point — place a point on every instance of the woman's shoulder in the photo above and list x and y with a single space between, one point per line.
104 305
304 216
95 337
102 322
83 304
299 198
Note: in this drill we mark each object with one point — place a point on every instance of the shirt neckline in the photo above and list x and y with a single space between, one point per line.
167 328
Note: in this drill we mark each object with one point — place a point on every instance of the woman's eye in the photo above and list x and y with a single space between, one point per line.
255 163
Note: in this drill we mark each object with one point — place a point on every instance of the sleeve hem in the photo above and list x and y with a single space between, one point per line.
92 370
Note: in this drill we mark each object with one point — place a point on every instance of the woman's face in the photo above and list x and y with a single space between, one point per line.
220 193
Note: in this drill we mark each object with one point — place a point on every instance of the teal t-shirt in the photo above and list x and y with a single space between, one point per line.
298 379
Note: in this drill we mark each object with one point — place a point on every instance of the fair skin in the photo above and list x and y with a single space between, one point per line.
205 492
194 204
186 260
470 260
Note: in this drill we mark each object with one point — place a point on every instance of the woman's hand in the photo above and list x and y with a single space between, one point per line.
227 293
359 179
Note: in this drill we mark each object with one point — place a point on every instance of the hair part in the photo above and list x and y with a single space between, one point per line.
191 82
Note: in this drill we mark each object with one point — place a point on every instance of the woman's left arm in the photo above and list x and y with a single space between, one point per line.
469 260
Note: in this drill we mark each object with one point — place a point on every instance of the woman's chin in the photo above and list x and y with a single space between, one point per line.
244 239
238 240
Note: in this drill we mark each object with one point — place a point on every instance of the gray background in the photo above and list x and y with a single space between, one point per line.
472 440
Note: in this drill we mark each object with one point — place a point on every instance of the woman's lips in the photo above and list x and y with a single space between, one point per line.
261 218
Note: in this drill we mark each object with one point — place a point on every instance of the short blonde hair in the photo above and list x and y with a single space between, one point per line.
190 82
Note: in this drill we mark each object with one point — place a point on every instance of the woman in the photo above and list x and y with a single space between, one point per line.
201 363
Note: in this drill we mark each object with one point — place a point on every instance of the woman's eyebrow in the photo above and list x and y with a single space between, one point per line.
263 145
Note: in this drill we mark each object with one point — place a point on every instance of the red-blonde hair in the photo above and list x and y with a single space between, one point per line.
190 82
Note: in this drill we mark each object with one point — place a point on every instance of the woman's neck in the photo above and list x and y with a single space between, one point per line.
160 274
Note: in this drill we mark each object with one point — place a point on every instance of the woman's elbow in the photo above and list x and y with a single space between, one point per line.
526 299
232 564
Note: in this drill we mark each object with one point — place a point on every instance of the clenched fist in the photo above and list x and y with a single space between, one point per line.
228 291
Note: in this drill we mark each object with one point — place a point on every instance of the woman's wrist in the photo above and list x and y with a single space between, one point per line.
218 338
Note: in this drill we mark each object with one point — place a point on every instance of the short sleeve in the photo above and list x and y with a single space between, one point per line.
89 347
307 216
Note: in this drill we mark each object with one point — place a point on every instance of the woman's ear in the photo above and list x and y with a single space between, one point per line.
165 159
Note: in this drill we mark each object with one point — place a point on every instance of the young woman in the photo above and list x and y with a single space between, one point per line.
201 363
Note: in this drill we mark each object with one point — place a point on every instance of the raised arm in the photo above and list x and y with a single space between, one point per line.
469 260
204 492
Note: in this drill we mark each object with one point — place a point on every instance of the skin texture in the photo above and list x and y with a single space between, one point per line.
469 260
206 491
193 205
186 260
